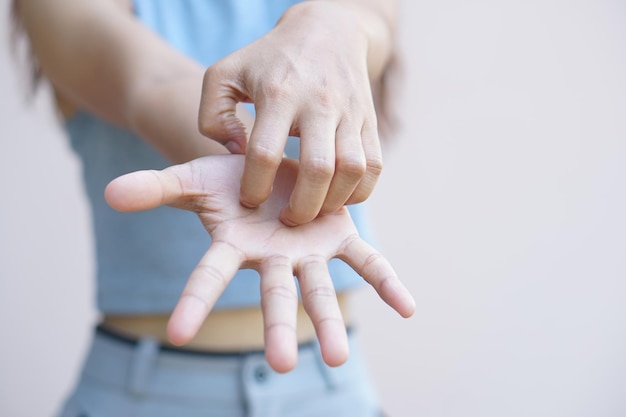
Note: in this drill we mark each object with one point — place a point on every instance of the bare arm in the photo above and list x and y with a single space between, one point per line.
379 18
310 77
100 57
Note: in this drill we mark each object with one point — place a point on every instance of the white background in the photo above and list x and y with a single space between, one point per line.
502 206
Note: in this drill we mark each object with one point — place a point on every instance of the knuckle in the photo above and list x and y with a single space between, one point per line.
206 126
264 157
210 72
324 104
211 275
279 261
375 166
278 325
192 295
318 169
212 77
323 96
353 167
281 291
273 90
320 292
349 241
217 70
328 319
377 265
372 259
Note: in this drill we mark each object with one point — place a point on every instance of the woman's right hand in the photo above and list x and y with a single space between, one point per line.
309 77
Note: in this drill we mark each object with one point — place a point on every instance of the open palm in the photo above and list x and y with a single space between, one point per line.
256 238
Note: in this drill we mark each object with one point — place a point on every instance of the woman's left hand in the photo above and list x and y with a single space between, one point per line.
256 238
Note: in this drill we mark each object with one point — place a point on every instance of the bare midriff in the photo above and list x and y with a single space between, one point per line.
223 330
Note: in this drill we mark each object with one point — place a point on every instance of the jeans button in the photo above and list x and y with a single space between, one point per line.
261 373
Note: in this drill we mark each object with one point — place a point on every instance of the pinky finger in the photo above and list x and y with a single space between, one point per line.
379 273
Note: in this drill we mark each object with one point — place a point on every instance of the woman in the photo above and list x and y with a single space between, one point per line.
129 78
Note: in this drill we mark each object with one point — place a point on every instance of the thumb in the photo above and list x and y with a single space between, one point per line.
148 189
217 118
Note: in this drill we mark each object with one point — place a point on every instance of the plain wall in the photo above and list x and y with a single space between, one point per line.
502 206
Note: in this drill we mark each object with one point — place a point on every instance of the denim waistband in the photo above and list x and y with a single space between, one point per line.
143 367
123 338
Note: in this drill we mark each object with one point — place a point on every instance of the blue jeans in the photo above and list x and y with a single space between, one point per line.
124 378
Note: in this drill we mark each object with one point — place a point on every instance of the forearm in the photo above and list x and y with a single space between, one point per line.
102 59
166 115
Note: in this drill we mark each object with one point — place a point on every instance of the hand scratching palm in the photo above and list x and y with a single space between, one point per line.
256 238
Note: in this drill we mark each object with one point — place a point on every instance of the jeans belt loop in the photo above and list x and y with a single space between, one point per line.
141 366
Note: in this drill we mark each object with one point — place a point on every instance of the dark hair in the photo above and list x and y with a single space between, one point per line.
385 90
20 49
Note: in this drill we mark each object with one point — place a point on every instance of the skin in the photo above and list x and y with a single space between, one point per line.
255 238
310 76
127 75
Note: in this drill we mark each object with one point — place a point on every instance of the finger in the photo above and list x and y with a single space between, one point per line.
206 283
144 190
217 116
349 166
378 272
264 152
279 301
320 303
374 164
317 166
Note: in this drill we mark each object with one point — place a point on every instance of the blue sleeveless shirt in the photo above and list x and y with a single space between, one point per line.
143 259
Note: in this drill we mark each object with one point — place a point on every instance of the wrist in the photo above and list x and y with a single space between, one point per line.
376 20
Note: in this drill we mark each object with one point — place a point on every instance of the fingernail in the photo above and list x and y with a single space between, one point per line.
233 147
247 205
287 221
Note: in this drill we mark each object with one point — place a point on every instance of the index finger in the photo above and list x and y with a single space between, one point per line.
204 286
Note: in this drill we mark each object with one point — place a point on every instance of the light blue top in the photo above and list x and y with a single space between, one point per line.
144 259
